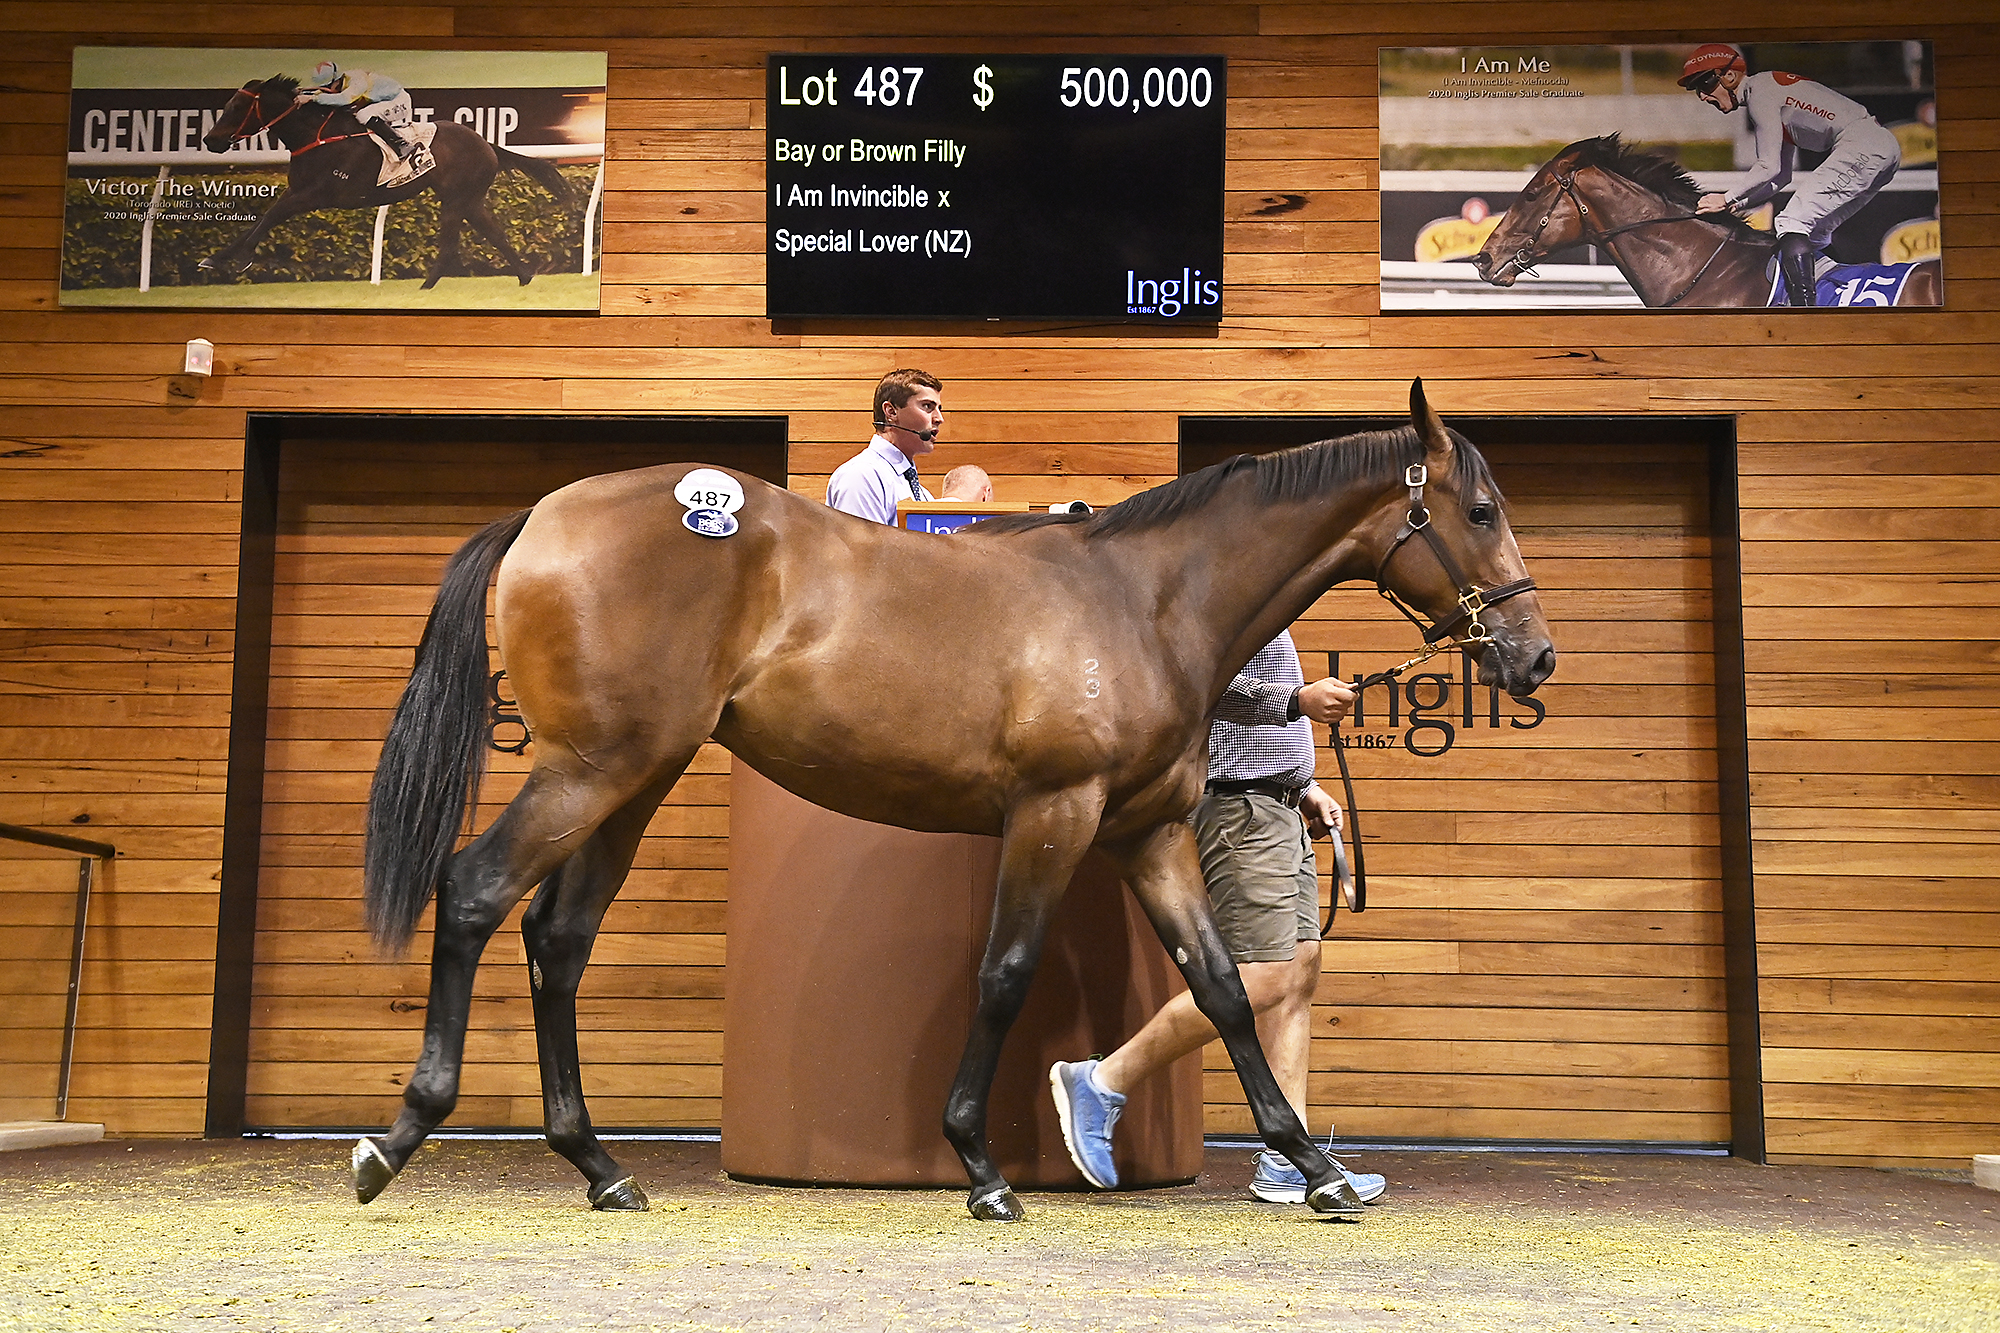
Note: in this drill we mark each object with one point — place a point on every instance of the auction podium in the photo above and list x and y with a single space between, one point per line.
853 958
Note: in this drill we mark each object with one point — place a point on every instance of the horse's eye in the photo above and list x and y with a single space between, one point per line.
1481 515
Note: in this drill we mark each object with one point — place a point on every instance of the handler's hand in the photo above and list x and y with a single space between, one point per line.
1326 701
1711 203
1322 812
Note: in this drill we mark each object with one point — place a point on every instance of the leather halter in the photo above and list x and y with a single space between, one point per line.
1464 627
1566 185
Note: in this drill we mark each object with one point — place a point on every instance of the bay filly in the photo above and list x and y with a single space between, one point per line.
1044 678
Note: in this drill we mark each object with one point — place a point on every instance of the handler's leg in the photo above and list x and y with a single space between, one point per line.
1278 992
1164 874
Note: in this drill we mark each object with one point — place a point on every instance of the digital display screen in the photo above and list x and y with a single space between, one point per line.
995 187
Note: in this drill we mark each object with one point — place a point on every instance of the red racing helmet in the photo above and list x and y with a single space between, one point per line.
1708 63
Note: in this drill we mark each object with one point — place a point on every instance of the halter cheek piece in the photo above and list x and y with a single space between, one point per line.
1465 626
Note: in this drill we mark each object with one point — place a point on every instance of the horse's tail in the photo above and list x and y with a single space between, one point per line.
545 172
435 754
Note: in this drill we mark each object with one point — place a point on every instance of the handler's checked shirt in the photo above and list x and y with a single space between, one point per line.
1251 738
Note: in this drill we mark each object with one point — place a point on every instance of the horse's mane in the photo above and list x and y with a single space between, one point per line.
1654 171
278 85
1288 475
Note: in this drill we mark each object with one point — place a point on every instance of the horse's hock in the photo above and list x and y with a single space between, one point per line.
853 954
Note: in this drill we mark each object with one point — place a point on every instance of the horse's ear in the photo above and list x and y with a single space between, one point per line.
1437 440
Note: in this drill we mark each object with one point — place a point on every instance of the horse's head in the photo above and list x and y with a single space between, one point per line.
250 109
1547 217
1452 556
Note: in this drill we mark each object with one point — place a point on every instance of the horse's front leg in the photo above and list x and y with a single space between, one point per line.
235 257
1164 873
1044 839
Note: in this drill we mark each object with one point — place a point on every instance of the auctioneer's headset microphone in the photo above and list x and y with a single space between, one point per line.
925 435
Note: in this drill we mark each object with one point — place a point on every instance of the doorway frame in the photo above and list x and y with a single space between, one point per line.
264 439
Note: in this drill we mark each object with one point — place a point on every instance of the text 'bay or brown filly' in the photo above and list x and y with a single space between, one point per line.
1045 678
1639 208
334 165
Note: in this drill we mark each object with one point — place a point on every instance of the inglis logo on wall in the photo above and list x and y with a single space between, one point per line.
1170 296
1429 709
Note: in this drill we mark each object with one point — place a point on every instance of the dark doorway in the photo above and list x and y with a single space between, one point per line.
347 523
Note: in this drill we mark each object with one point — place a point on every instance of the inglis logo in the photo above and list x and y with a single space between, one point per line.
1169 296
1425 702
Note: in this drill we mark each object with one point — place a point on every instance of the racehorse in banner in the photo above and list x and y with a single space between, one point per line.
1639 208
335 163
641 613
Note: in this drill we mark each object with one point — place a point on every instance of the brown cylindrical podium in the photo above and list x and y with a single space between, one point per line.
853 958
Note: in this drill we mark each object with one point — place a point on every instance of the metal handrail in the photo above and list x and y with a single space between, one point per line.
91 853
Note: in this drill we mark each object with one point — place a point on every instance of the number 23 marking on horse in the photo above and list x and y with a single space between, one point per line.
1091 686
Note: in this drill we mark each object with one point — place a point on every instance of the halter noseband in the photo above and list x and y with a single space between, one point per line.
1464 627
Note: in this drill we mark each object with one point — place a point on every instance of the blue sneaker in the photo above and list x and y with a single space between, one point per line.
1088 1114
1276 1180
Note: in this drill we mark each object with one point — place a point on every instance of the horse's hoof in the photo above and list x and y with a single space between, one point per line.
1336 1198
621 1196
372 1172
428 284
996 1205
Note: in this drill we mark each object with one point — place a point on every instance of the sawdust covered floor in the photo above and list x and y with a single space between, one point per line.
486 1237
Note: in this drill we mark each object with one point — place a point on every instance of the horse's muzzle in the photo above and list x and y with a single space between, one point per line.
1501 273
1517 666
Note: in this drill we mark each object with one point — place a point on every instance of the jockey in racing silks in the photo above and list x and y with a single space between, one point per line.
1786 113
381 104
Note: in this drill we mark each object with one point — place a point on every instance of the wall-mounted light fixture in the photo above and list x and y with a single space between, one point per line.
200 357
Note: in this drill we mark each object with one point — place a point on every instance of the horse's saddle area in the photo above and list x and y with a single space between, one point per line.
396 171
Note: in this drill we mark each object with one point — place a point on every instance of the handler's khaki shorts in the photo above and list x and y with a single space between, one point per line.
1261 874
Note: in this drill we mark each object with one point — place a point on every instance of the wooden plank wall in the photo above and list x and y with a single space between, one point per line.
1871 512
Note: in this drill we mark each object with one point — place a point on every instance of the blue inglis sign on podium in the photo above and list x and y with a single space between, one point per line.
995 187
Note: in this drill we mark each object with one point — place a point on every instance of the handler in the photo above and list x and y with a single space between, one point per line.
1788 112
1251 829
909 413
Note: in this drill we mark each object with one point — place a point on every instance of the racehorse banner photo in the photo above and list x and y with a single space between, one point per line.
1709 175
334 179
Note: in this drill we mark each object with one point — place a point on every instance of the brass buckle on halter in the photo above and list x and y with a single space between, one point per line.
1416 476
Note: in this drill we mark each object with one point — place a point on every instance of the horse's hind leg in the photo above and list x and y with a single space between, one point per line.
1165 875
1040 848
535 834
450 224
559 929
489 226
